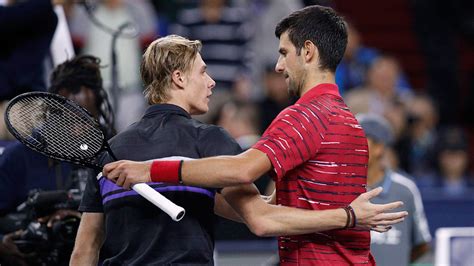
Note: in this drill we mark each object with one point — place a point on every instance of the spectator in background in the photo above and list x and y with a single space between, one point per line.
408 240
225 36
27 28
242 121
22 169
381 95
352 71
168 12
96 41
417 145
453 175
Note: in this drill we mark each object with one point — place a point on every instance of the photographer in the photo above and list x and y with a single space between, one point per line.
22 170
47 223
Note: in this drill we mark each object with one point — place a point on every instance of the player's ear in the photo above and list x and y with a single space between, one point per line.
309 51
178 78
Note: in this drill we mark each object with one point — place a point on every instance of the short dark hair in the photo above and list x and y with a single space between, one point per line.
320 25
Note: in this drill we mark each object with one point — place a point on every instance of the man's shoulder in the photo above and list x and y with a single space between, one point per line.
215 140
323 104
213 133
204 130
202 126
190 124
304 109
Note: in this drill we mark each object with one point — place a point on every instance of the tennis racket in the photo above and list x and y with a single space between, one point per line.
61 129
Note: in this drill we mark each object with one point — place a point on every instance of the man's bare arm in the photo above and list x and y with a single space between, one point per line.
89 239
223 209
264 219
224 171
219 171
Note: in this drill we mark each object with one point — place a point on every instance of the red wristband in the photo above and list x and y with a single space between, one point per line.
166 171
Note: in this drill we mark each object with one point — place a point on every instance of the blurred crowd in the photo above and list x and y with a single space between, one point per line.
240 50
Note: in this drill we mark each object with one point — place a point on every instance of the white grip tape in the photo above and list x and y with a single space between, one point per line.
174 211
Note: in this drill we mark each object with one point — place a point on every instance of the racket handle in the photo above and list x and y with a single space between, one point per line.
174 211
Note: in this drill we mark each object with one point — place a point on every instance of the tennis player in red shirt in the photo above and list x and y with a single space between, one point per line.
315 149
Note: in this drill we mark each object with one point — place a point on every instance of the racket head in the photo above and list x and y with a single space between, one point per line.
56 127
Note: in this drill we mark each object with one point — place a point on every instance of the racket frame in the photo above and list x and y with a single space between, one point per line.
174 211
63 100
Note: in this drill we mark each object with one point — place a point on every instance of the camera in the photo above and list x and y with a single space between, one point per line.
48 245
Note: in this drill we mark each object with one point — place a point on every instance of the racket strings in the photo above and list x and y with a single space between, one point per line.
77 128
56 127
47 132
